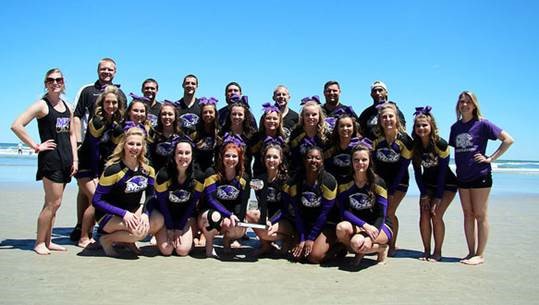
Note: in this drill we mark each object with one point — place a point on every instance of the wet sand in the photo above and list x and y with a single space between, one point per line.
82 277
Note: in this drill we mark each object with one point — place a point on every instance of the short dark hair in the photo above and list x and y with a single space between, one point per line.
150 80
330 83
190 75
232 83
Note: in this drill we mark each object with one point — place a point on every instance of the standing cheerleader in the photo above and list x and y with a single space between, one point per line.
392 154
436 182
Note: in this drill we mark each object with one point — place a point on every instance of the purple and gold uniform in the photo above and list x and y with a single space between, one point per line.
177 201
120 190
432 173
313 205
361 205
391 161
227 197
99 142
160 148
273 199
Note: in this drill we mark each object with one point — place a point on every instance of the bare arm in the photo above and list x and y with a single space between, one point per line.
507 141
76 129
73 141
37 110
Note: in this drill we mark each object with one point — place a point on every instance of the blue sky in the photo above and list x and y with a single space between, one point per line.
427 52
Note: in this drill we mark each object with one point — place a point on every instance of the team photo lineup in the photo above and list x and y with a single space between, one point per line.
327 180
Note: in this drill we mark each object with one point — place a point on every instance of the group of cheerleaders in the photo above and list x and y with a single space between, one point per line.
322 188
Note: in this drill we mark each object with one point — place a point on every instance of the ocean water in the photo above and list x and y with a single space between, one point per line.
510 176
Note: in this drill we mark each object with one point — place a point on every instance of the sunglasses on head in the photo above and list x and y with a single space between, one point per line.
59 80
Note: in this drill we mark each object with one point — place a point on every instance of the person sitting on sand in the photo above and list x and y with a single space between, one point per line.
121 217
436 182
227 193
57 152
313 199
178 192
363 206
469 135
271 190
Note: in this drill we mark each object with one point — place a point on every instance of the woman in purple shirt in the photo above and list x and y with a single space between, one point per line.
469 135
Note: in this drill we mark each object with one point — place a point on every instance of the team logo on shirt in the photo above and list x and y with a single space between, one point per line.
206 144
387 155
361 201
62 125
342 160
429 160
273 195
189 120
153 119
373 122
310 200
164 148
179 196
227 192
464 142
136 184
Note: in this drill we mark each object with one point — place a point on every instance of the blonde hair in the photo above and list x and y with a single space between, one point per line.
476 112
119 150
392 107
322 129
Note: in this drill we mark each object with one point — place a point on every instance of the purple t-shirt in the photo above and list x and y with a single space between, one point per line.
469 139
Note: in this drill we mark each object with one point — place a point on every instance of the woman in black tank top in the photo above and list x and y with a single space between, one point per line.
57 147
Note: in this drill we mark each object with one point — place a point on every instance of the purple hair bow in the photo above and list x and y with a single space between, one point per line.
203 101
235 139
244 99
422 110
183 139
132 124
139 98
366 142
380 105
103 87
268 107
279 141
344 111
310 98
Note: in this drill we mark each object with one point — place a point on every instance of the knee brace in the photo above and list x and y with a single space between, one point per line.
214 220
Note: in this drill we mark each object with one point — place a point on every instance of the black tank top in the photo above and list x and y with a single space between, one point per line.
55 125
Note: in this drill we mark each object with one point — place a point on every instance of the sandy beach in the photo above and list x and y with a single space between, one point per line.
77 277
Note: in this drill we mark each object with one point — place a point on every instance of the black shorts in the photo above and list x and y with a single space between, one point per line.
58 175
481 182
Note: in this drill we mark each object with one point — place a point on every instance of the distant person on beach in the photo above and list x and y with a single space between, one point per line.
85 101
332 105
19 148
290 118
469 136
117 199
365 227
368 119
391 156
149 89
57 158
178 191
227 193
313 195
436 182
188 107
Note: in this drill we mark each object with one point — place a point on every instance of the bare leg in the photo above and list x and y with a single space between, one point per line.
321 246
469 221
45 221
87 186
186 239
394 202
118 232
209 235
439 225
480 209
426 230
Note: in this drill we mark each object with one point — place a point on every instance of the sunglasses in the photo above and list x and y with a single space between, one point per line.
50 80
